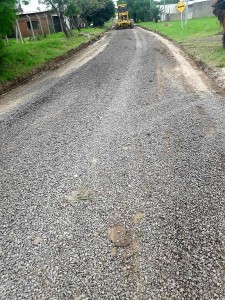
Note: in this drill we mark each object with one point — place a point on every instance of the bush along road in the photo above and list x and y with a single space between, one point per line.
113 178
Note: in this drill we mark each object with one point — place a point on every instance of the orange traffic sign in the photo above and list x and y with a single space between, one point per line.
180 6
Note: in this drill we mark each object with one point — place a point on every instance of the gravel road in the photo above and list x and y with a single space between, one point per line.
113 179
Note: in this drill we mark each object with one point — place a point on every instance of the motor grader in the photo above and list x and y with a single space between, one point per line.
123 20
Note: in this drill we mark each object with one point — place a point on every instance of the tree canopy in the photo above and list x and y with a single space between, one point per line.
98 17
7 16
8 10
90 11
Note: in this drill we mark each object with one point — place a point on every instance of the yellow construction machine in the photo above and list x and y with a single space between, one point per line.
123 21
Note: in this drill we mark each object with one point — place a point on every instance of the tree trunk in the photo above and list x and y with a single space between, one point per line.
224 39
63 24
77 23
65 28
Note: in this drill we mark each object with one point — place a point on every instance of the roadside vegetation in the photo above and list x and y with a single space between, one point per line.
18 59
201 38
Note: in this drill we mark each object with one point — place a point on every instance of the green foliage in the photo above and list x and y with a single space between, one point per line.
7 16
142 10
72 8
18 59
196 28
102 15
96 11
168 2
8 9
1 51
156 10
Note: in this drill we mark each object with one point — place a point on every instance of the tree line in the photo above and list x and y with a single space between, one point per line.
142 10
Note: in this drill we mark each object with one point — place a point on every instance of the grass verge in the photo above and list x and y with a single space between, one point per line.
201 38
17 60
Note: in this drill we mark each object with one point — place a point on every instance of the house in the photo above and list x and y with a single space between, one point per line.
38 23
196 9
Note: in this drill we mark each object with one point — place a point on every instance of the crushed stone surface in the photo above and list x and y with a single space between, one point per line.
113 181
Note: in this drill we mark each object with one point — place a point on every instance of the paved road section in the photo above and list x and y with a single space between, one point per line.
113 182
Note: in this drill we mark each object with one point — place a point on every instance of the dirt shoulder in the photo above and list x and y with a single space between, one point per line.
16 94
53 64
215 74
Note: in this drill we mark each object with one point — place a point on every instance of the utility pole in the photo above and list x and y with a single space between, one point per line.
150 7
164 10
186 13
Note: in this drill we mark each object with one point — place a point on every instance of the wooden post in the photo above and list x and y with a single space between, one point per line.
17 40
39 19
53 26
31 26
181 20
20 35
47 23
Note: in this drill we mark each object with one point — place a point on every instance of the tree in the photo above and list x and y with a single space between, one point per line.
7 16
89 7
102 15
8 9
219 11
155 13
142 10
73 13
59 7
89 11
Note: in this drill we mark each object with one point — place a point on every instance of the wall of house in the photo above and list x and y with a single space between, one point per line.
202 9
24 24
196 9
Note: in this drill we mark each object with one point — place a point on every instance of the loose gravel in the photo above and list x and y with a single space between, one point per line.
123 143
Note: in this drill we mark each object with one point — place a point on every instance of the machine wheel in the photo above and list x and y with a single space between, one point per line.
224 39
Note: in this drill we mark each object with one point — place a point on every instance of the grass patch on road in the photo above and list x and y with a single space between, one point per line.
18 59
201 38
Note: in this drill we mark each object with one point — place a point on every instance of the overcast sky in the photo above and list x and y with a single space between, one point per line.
32 7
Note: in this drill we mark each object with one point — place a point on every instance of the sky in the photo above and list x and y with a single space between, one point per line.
32 7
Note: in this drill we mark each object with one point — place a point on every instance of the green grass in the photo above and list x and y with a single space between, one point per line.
200 38
18 59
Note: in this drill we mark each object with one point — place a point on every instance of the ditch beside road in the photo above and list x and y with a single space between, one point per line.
200 40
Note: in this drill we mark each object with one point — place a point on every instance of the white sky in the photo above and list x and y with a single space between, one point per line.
32 7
